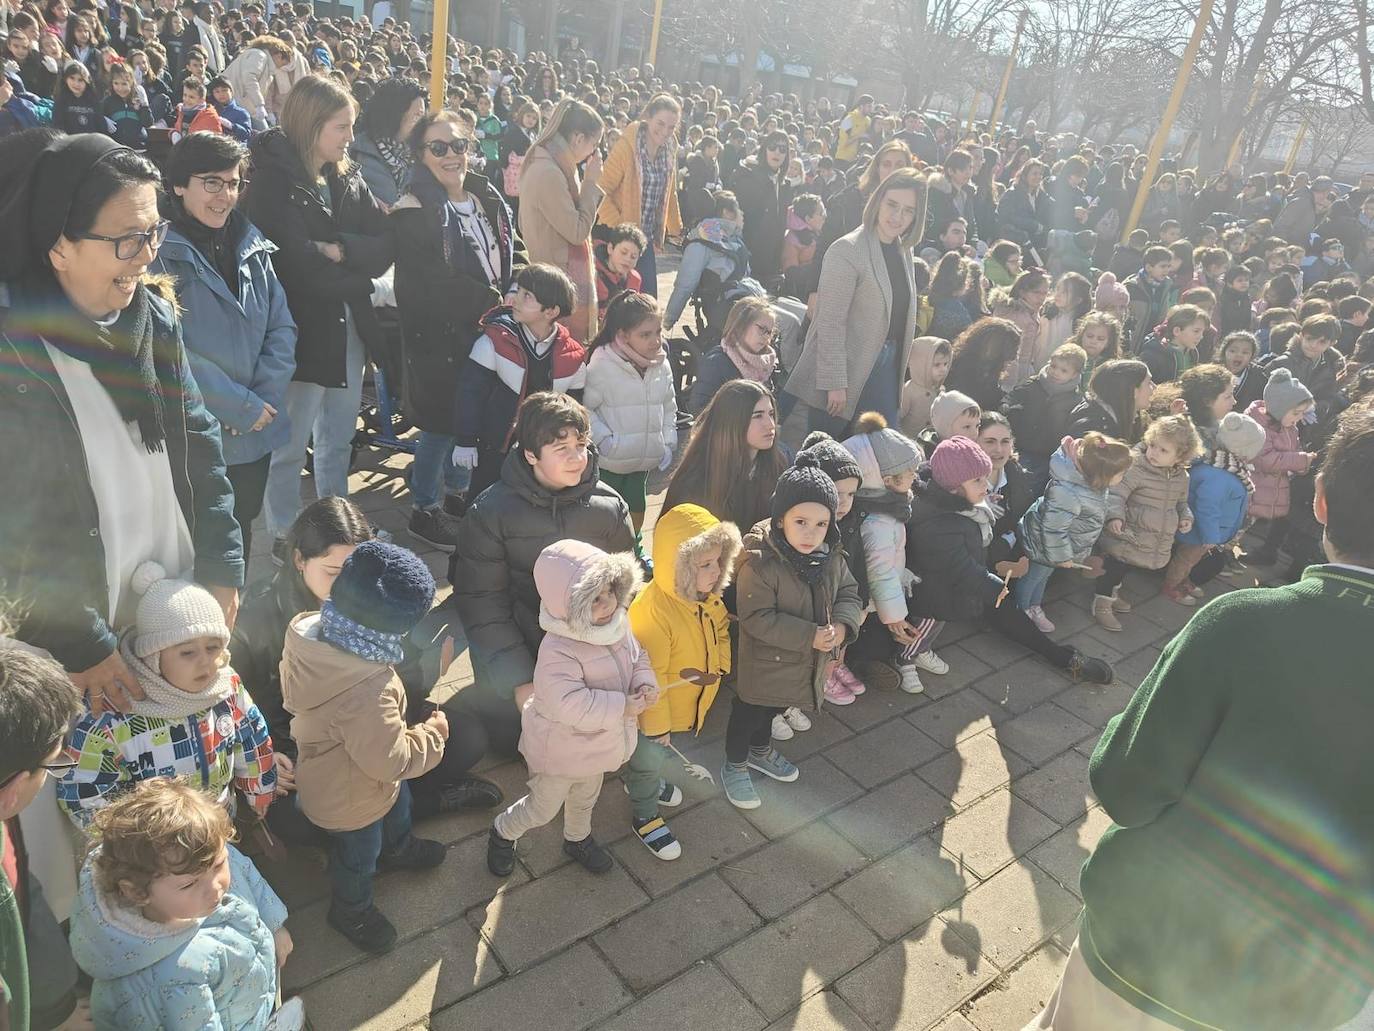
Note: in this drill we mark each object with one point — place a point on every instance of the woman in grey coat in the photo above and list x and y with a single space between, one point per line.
859 341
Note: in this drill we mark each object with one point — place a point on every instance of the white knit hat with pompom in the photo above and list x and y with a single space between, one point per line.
172 611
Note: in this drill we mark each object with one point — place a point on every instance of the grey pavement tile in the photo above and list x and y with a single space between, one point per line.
820 788
1017 997
793 869
1008 916
1062 855
958 716
825 1011
880 754
1023 685
712 833
890 815
988 835
1059 789
975 766
1044 732
906 889
703 998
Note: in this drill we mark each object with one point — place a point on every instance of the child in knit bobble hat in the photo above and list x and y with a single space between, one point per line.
177 651
1285 404
798 604
354 750
888 461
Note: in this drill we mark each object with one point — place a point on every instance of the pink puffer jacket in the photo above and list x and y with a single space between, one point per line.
577 723
1281 458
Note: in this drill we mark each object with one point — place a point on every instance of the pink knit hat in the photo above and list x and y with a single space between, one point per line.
1110 293
957 461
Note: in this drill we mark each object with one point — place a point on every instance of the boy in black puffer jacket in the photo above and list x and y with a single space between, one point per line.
1041 409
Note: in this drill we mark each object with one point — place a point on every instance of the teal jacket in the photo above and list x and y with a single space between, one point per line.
220 974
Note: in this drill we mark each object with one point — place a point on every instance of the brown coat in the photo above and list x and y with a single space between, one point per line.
353 746
778 617
853 312
1150 502
556 216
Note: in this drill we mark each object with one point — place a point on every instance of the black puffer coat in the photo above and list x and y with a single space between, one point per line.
492 571
944 547
1091 415
441 299
1038 417
1017 498
256 644
283 203
763 202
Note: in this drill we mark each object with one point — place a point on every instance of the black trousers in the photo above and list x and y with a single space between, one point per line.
479 722
1015 625
1113 572
249 481
750 726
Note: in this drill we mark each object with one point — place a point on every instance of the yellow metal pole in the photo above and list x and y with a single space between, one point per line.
438 57
1297 145
973 113
1006 77
1204 16
1240 132
653 35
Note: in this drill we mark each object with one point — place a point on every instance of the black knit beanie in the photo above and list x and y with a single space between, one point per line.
805 481
834 457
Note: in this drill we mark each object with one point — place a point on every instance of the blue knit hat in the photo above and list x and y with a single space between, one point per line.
383 587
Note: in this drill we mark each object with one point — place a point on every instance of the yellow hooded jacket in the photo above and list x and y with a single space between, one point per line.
677 631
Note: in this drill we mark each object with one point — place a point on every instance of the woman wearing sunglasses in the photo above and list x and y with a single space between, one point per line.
239 333
761 186
456 255
112 458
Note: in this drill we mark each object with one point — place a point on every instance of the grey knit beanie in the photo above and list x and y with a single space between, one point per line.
1283 393
1241 435
172 611
894 452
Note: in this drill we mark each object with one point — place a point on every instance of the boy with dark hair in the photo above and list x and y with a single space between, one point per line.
37 706
221 97
1353 311
617 252
547 491
523 349
1170 231
1153 293
1216 736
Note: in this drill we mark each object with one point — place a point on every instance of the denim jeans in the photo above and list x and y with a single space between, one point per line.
353 858
433 469
330 416
1030 589
648 271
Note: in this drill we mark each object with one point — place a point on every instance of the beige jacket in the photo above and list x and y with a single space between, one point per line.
853 310
348 722
556 217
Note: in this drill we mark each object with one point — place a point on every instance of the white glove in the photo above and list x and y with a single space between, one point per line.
909 581
465 457
667 458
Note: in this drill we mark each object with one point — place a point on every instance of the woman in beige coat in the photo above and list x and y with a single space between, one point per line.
860 339
558 208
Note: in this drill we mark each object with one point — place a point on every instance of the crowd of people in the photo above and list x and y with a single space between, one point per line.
217 220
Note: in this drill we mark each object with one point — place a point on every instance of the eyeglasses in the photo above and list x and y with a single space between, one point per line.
57 766
216 184
443 148
131 245
776 148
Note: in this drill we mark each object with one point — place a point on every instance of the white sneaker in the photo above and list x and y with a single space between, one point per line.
931 663
1041 621
782 731
796 719
911 680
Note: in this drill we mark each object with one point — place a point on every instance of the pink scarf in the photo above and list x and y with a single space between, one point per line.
757 367
636 359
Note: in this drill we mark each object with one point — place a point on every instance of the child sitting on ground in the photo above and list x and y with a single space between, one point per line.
1145 510
887 462
195 721
1061 528
927 366
631 399
174 925
798 604
592 680
354 750
1286 401
523 349
681 621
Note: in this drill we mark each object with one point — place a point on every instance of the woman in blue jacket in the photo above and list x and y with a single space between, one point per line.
240 337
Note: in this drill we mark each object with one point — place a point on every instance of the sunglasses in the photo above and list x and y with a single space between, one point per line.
443 148
776 148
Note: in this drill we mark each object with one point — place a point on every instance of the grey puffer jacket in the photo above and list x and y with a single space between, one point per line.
1151 502
1064 524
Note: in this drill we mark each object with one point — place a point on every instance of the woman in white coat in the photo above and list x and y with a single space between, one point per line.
251 74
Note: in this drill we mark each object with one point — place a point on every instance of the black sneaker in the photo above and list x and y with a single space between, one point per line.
469 793
591 855
879 675
500 855
1087 669
434 528
279 547
456 505
369 930
416 854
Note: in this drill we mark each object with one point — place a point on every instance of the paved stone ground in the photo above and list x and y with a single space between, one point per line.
921 873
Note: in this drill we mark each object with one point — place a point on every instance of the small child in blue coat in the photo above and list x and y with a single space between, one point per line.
176 928
1219 492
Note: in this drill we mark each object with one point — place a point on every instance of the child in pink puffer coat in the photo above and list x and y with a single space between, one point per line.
591 681
1286 403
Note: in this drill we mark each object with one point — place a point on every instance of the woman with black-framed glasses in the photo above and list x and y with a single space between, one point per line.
240 336
456 255
112 458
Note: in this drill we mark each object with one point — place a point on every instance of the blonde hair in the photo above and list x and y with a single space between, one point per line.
159 827
1177 431
743 314
310 104
1071 353
902 179
1102 458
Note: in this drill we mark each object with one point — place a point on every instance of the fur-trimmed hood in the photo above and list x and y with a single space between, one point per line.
569 574
681 537
939 181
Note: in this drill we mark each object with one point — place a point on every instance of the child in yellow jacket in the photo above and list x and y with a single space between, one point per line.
682 623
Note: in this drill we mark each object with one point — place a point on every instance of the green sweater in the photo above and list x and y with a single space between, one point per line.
1235 889
14 967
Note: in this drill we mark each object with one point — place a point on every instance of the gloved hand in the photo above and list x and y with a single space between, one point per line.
465 457
667 459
